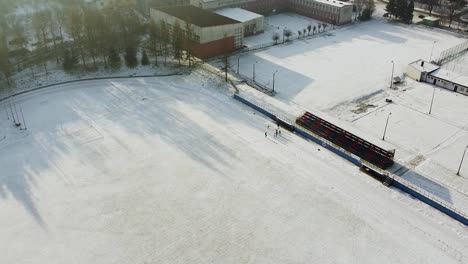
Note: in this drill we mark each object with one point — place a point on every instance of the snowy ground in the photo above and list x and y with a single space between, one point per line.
335 75
278 23
24 80
169 171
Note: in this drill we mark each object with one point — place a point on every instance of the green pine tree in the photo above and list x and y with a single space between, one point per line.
144 59
130 57
114 59
409 12
391 7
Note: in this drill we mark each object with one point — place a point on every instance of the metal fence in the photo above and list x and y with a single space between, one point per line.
452 53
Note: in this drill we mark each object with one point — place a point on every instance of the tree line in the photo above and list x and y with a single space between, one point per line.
88 39
403 9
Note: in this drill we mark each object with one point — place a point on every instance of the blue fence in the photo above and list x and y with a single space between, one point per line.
444 209
255 107
430 202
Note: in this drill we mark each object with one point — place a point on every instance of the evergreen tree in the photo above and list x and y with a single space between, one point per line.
391 7
409 12
130 57
144 59
401 9
69 61
114 59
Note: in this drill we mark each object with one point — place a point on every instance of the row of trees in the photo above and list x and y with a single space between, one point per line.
301 33
403 9
83 38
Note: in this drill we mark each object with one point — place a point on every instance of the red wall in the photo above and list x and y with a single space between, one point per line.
213 48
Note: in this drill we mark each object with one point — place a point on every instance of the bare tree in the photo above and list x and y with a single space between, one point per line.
41 22
430 4
275 37
75 28
450 6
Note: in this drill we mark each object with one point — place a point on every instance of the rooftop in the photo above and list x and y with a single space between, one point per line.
197 16
429 18
424 66
451 77
238 14
333 3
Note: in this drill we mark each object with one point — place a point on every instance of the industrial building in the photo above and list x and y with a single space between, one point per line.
330 11
253 23
212 34
423 71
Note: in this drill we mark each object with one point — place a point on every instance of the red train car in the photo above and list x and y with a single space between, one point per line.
349 142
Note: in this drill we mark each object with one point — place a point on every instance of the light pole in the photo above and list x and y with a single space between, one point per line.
254 70
274 73
284 31
238 60
386 125
432 100
461 162
391 80
430 57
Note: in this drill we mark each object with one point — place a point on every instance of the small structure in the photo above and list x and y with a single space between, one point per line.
420 69
211 34
253 23
423 71
449 80
430 21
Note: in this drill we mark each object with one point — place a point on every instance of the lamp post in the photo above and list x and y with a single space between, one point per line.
253 75
461 162
274 74
284 31
391 80
430 57
432 100
386 125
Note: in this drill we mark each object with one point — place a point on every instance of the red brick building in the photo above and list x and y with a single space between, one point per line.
211 35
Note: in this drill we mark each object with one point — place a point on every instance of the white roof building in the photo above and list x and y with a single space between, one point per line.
253 23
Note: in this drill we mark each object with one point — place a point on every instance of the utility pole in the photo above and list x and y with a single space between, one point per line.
461 162
386 125
391 80
432 100
22 115
274 73
430 57
254 71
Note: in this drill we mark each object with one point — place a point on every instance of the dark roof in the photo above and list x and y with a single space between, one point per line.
197 16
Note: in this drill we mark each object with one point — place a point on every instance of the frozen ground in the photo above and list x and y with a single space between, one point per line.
336 74
349 63
169 171
277 23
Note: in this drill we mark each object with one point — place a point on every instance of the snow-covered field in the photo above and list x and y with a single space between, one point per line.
173 170
336 74
344 65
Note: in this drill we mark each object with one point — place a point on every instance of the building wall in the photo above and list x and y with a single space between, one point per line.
323 11
413 73
206 41
446 84
213 48
254 26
